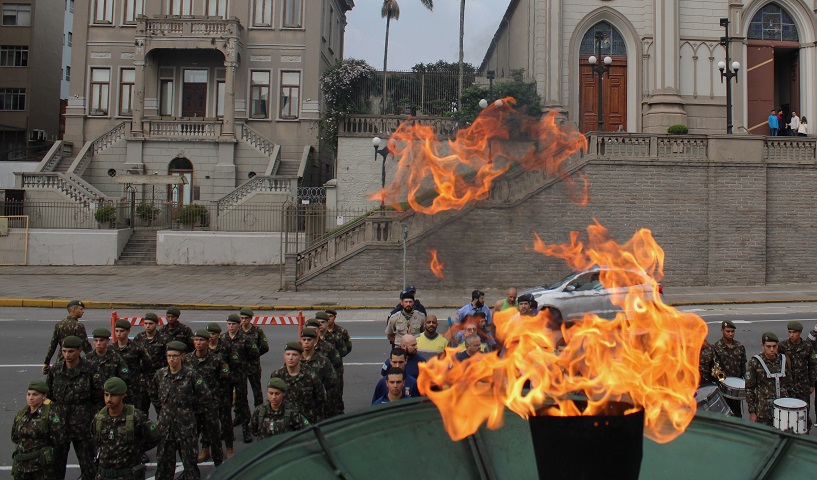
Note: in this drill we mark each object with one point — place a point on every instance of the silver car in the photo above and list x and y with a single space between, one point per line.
582 292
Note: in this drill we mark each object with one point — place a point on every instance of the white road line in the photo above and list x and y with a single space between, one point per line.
21 366
179 466
358 364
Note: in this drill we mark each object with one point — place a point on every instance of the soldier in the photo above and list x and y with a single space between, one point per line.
71 389
224 398
176 330
213 369
242 352
155 343
335 395
803 363
707 361
319 364
768 377
306 392
257 336
123 434
274 416
181 392
105 362
731 356
64 328
36 431
337 335
139 364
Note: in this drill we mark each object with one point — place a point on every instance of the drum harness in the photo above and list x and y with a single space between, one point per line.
776 376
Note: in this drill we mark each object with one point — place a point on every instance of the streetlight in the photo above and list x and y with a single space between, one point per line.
491 74
383 152
729 74
600 69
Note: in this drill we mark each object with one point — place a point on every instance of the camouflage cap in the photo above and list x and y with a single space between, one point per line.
115 386
312 322
278 383
246 311
233 318
294 346
769 337
100 333
331 312
213 327
73 341
176 346
202 333
38 386
728 324
797 326
122 323
174 311
309 332
75 303
151 317
322 316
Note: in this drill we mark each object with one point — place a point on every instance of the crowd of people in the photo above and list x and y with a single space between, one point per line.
792 126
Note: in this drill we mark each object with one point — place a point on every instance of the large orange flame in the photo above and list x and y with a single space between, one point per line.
646 356
462 170
436 265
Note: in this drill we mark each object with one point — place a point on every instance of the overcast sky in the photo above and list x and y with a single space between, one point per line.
421 35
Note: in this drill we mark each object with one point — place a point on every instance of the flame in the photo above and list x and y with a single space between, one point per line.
436 265
647 355
463 171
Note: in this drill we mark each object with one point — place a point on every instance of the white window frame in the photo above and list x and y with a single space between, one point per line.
281 87
17 8
103 12
98 96
285 9
267 9
12 92
9 54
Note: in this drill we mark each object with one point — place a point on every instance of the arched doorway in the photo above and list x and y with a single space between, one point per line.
772 67
181 194
614 85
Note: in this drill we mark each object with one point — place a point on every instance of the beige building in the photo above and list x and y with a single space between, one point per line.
665 55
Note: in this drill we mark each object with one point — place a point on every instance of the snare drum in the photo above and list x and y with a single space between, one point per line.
709 398
733 388
790 415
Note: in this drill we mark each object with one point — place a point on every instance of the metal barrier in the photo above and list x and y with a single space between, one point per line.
261 320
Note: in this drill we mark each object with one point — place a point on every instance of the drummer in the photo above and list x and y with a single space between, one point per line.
768 377
803 363
731 356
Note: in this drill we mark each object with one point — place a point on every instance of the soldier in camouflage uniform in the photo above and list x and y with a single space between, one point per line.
123 434
105 362
64 328
319 364
155 344
305 391
339 338
803 362
176 330
223 397
256 335
764 385
74 398
274 416
242 352
214 370
731 356
36 432
181 394
139 364
707 361
335 394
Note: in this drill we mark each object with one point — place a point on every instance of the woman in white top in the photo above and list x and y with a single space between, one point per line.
802 129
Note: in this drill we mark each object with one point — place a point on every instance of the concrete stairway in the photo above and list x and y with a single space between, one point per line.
140 250
288 167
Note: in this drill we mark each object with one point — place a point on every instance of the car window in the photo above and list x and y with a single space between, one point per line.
584 280
559 282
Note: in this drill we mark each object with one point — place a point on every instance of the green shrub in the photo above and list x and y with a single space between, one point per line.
147 212
678 129
193 215
105 214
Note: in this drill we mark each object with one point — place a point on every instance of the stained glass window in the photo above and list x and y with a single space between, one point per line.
773 23
611 44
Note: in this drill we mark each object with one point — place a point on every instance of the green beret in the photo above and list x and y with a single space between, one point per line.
72 341
99 333
309 332
313 323
797 326
322 316
202 333
122 323
74 303
233 318
115 386
152 317
213 327
294 346
728 324
332 312
174 311
176 346
769 337
38 386
278 383
246 311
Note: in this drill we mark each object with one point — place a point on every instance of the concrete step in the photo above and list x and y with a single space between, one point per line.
140 249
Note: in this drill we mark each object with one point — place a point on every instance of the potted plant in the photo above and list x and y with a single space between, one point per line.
192 215
105 215
147 212
678 129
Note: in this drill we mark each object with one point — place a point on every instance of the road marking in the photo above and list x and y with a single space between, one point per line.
370 337
768 321
358 364
21 366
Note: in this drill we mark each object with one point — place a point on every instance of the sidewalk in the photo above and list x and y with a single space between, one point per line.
232 287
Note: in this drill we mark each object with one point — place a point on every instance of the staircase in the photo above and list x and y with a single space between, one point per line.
140 250
288 167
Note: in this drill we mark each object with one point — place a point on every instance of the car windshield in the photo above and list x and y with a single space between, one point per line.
562 280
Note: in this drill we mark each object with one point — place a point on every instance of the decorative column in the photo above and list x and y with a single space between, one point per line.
665 106
138 99
228 122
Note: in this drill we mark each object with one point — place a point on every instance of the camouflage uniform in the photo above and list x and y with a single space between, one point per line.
803 367
257 337
179 397
333 393
733 363
141 368
224 397
75 397
36 436
242 352
106 366
156 348
120 451
760 390
180 332
305 392
66 328
267 422
707 360
320 365
214 370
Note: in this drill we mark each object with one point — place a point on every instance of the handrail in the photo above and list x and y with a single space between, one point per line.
99 145
371 125
65 184
256 184
263 145
51 159
307 153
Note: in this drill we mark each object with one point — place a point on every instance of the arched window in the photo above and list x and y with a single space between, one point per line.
612 43
180 163
773 23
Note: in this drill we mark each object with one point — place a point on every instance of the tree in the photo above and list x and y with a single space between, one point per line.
527 99
391 10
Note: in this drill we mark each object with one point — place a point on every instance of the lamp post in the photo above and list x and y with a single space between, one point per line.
383 152
729 74
491 74
600 69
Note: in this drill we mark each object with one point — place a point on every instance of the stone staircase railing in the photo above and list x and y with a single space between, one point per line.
51 159
385 125
182 128
277 184
67 184
96 147
263 145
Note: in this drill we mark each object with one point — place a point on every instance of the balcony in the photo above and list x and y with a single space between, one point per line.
182 129
162 31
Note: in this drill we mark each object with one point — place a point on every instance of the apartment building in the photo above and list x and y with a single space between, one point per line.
217 91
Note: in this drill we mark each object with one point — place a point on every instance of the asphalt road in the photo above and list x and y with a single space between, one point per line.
28 331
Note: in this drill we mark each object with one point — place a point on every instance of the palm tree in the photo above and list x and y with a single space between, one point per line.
462 37
389 11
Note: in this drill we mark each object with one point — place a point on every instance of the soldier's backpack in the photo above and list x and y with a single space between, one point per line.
128 421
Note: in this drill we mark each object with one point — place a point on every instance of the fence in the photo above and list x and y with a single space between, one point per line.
13 240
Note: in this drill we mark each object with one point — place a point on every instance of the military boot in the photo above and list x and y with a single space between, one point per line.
204 455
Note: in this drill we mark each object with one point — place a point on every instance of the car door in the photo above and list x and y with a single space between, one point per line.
582 295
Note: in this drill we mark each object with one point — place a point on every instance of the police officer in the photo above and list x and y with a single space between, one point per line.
105 362
768 377
731 356
305 390
139 364
176 330
213 369
36 431
242 352
64 328
275 416
257 336
122 434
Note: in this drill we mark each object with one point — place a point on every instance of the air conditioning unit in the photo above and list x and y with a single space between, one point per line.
37 135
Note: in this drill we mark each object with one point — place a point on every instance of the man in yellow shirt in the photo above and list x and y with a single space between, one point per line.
429 342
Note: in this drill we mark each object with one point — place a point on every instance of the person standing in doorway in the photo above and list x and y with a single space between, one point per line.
781 123
773 124
794 124
802 130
